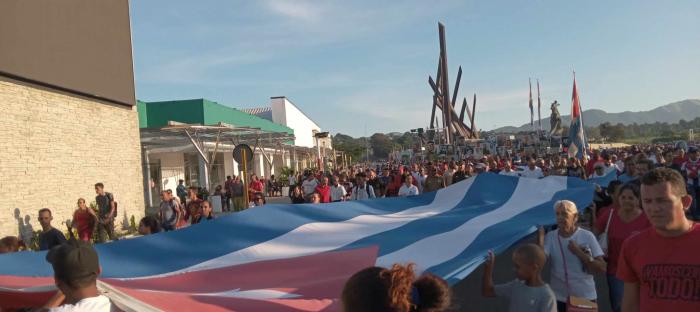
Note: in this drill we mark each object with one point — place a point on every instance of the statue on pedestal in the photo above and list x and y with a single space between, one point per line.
555 121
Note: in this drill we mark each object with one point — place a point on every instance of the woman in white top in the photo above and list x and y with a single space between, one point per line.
407 188
581 253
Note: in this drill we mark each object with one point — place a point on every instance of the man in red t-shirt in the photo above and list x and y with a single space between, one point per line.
324 190
256 186
590 165
661 266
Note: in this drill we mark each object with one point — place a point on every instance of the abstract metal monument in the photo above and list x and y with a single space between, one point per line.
453 124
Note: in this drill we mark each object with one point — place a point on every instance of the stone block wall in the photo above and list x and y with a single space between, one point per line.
54 146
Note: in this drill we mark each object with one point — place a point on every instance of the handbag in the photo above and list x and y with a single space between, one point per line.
603 239
573 303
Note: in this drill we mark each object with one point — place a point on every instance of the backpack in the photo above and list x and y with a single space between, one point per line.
110 199
116 210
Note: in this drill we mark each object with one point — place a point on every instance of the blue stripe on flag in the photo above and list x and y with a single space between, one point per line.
479 199
604 181
167 252
501 236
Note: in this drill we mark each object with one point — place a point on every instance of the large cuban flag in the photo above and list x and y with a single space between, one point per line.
577 135
297 257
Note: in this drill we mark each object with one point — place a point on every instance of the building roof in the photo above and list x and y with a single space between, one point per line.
203 112
297 107
262 112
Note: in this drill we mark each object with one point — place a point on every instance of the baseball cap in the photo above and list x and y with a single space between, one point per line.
692 149
73 260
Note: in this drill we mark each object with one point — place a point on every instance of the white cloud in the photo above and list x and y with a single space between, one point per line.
308 11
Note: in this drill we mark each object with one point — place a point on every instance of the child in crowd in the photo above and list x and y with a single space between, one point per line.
528 292
9 244
149 225
395 290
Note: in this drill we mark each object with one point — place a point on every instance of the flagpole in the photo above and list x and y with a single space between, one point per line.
539 106
583 126
532 122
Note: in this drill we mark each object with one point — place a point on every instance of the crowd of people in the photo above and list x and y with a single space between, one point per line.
642 234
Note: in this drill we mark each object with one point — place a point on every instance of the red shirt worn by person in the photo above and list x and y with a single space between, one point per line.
618 232
680 160
84 223
667 270
325 192
590 165
257 186
604 211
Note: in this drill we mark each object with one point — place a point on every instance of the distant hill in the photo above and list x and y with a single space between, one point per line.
670 113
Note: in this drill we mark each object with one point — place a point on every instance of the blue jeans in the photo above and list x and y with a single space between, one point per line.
616 288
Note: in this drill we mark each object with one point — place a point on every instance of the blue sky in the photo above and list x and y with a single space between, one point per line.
356 65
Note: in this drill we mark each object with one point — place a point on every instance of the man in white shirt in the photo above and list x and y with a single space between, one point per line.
618 164
508 170
407 188
292 182
338 192
76 267
418 176
309 185
362 190
598 171
532 171
449 172
609 165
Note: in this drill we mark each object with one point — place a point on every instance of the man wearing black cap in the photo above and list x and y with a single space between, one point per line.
76 267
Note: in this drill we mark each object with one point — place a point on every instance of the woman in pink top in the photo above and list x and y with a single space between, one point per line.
624 221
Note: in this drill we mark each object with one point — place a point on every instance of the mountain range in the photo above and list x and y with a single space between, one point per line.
669 113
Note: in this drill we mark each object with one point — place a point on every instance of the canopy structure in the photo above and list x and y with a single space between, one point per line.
208 140
178 134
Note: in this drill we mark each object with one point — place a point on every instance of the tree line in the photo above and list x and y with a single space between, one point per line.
380 145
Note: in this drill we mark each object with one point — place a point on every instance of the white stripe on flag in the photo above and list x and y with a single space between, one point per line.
36 289
317 237
436 249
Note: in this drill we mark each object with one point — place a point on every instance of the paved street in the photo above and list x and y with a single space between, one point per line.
467 293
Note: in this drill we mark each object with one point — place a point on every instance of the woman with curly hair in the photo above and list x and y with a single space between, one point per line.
395 290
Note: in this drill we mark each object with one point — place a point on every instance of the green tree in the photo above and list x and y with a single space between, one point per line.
381 144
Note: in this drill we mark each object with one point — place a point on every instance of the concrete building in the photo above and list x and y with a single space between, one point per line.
282 111
170 156
69 116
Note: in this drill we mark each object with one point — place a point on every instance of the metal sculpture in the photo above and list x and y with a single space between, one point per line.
453 124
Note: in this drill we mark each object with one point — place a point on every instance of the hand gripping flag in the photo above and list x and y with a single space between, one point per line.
577 135
298 257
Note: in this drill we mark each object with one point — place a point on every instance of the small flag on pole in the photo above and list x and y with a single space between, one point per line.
577 135
539 106
532 114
